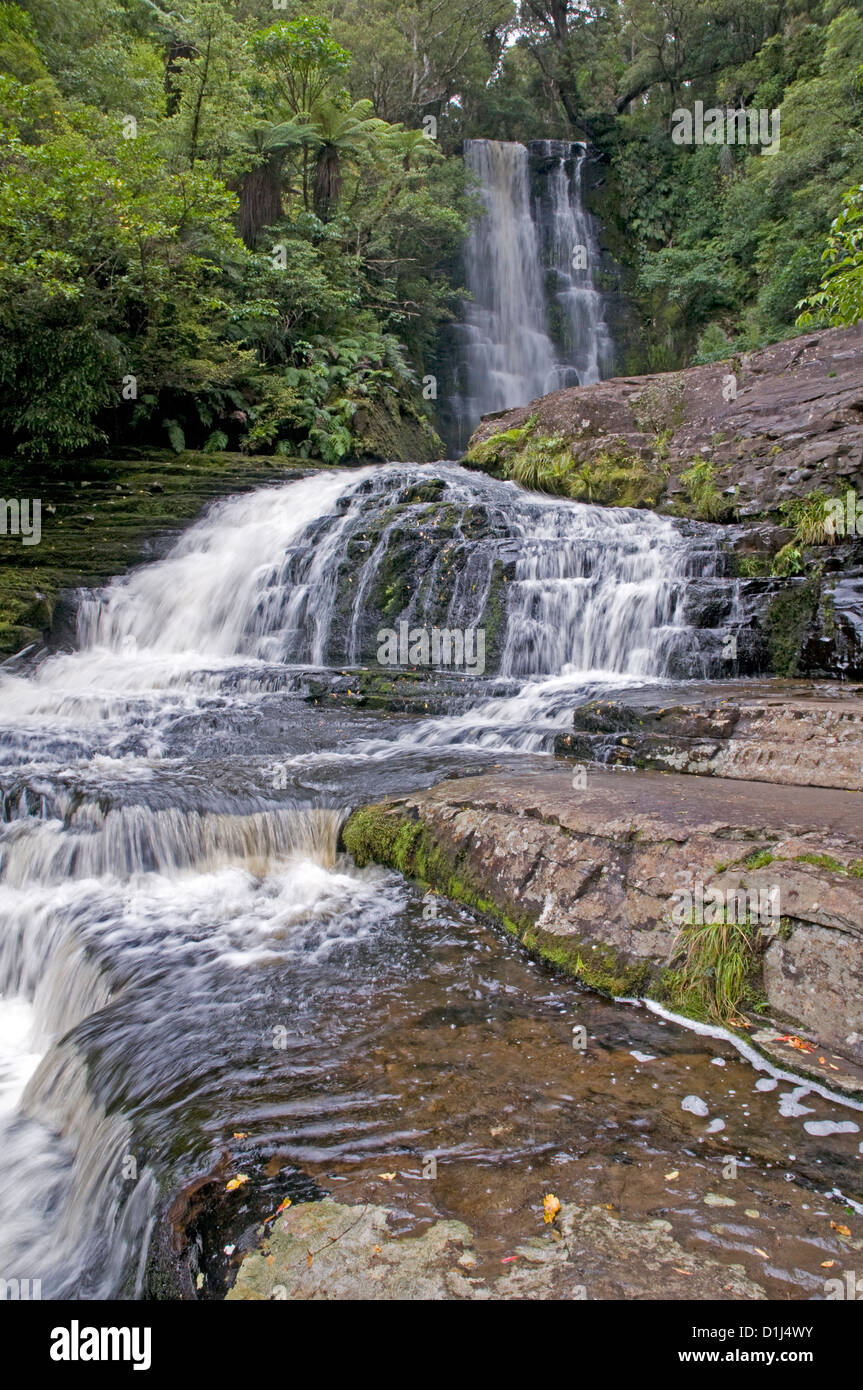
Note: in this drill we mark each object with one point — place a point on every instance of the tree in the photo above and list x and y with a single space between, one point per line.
839 298
335 135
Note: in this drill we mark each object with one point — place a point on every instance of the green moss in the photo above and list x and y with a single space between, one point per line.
759 859
788 618
491 454
387 835
103 516
826 861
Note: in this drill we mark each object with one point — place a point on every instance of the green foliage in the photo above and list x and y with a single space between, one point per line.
141 141
708 504
811 518
787 561
716 961
659 408
839 299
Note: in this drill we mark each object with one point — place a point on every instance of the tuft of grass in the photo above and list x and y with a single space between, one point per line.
787 561
707 502
811 518
716 962
759 859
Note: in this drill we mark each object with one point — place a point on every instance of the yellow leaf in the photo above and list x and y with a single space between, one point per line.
550 1208
669 1177
236 1182
763 1253
840 1230
387 1177
241 1136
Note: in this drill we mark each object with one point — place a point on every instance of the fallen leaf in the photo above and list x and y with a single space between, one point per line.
687 1272
387 1177
236 1182
241 1136
271 1259
308 1259
283 1205
508 1259
675 1173
827 1264
550 1208
840 1230
377 1249
762 1253
793 1041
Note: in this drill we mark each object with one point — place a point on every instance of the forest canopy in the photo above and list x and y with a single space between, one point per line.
238 223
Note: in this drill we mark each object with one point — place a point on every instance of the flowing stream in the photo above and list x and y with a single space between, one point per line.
195 982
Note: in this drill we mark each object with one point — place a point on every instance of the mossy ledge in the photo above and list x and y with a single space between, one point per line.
398 838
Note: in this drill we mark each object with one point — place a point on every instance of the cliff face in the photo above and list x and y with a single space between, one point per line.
769 426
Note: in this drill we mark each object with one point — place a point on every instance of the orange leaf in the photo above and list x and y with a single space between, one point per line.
550 1208
840 1230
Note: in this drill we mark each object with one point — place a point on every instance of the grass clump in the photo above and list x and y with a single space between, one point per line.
787 561
706 501
716 963
812 519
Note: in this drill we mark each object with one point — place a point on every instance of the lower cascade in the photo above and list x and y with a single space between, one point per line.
189 963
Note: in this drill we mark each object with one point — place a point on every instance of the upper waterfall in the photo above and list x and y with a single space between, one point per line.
534 322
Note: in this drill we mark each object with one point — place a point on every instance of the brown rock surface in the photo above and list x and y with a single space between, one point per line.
796 423
592 869
813 740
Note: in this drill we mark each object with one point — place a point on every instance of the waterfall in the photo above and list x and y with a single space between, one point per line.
534 322
172 793
571 253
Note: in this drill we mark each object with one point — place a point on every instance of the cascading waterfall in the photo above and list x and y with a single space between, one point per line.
571 253
535 320
151 872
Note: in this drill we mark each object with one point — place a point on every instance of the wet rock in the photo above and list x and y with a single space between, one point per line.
589 876
795 424
324 1250
815 739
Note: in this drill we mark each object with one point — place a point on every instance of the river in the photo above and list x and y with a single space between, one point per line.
197 983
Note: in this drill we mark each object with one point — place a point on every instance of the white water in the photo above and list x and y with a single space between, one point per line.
519 262
138 928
